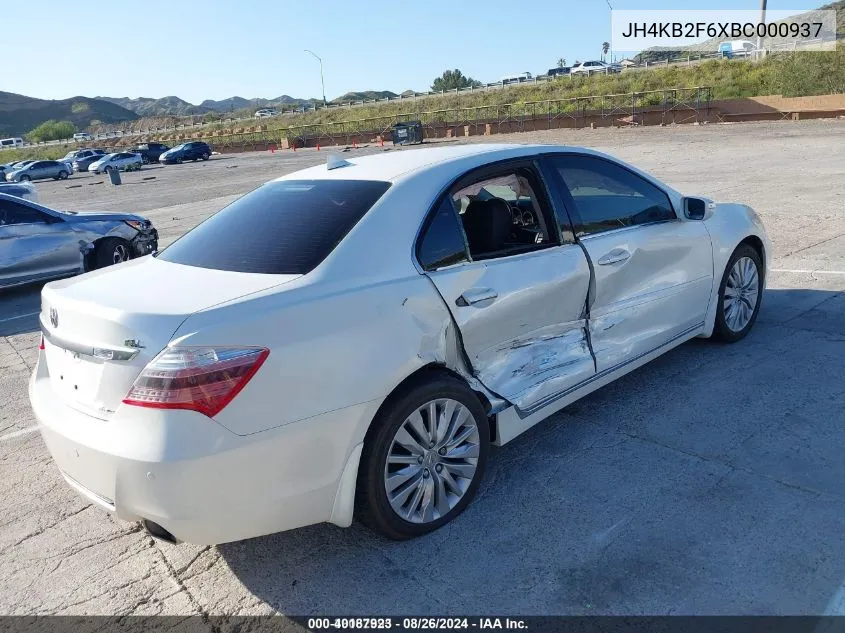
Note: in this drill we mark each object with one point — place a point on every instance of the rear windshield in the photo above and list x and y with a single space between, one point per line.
285 227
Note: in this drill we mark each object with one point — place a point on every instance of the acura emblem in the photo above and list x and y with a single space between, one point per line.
54 317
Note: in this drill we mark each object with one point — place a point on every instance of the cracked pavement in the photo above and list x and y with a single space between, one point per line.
710 481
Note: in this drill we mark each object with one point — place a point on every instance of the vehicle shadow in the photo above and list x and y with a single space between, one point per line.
613 505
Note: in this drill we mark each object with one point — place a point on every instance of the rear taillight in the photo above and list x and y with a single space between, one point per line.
203 379
41 345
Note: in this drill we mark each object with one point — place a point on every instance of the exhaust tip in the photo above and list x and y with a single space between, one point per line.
158 532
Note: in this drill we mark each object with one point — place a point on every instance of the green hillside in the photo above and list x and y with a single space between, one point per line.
365 95
20 114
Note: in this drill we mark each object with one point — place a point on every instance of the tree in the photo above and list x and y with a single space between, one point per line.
605 46
561 63
51 131
452 79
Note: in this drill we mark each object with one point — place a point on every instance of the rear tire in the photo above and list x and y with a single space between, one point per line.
205 155
740 295
432 470
110 251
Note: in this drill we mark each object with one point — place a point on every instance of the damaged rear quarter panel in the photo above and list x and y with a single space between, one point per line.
331 348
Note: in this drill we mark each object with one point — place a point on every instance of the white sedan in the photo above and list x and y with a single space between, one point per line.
592 67
117 160
349 340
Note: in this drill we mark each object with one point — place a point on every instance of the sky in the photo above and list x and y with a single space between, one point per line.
210 49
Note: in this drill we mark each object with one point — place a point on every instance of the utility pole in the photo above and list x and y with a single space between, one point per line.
322 83
760 52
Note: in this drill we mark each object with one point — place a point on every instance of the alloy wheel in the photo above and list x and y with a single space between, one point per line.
432 460
120 254
741 294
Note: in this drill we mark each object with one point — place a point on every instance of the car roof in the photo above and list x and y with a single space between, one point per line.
449 162
393 165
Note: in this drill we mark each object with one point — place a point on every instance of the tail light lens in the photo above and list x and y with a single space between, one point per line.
203 379
41 345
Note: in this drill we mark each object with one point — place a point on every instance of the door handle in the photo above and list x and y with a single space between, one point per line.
614 257
476 295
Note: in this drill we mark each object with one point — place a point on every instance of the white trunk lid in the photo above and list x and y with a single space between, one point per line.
102 328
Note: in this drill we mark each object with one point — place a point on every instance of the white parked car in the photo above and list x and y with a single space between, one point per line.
117 160
592 67
350 339
265 112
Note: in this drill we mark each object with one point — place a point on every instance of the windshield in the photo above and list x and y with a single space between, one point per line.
284 227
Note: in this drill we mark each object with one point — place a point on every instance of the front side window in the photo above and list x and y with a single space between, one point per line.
607 196
502 215
283 227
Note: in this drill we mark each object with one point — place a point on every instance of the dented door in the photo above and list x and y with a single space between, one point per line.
652 286
522 321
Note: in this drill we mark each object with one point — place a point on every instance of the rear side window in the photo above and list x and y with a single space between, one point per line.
284 227
442 243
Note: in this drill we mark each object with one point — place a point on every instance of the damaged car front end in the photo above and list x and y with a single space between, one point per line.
38 243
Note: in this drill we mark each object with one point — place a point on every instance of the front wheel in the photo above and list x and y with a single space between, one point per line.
740 295
179 161
62 175
24 178
423 458
110 251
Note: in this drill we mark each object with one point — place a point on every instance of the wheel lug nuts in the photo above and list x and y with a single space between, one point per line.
419 460
442 451
426 474
431 445
439 467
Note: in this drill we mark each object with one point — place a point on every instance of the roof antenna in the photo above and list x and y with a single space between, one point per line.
334 162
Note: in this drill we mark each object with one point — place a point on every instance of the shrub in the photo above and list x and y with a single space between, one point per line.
52 131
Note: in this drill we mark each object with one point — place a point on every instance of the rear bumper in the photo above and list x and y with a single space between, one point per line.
187 473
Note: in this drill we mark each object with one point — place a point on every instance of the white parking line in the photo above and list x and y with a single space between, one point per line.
14 434
19 316
810 272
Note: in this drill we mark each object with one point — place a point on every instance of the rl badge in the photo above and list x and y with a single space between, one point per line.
54 317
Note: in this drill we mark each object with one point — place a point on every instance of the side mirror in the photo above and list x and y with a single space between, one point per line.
698 208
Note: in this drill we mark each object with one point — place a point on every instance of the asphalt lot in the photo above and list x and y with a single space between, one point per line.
710 481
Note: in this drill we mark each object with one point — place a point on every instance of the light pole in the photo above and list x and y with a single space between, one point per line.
760 52
611 29
322 83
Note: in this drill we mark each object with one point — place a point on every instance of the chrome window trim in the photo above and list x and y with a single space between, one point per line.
86 349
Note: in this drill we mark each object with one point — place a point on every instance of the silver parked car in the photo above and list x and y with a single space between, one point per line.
118 160
40 170
37 243
88 155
